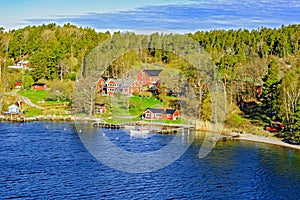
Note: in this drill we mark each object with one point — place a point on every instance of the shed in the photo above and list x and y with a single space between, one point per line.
13 109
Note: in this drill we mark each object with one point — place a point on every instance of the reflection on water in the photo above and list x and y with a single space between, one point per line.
118 150
47 160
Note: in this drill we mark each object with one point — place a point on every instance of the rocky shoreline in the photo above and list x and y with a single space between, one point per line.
267 140
245 137
37 118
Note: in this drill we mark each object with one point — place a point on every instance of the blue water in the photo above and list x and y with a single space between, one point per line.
45 160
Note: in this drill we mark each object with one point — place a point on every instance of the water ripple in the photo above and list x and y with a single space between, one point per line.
51 163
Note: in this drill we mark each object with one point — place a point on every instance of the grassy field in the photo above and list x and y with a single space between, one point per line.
34 95
139 104
121 109
37 96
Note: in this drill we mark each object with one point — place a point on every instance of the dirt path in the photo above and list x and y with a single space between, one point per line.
28 102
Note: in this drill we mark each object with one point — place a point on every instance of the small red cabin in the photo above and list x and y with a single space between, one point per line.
100 108
39 86
160 114
18 84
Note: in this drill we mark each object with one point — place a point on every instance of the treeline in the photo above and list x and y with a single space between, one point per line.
243 43
58 51
266 58
54 52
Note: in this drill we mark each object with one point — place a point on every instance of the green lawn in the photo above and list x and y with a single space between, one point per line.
31 112
139 104
34 95
39 95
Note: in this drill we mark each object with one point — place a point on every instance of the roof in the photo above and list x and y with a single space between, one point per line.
156 110
13 106
162 111
170 111
125 83
23 62
111 79
152 72
102 77
39 84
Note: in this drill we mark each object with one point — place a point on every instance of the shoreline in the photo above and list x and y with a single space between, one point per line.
19 119
242 137
267 140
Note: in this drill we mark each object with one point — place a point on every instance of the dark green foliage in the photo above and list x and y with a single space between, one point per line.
245 59
47 45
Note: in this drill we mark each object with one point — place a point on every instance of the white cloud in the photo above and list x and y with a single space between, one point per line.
194 15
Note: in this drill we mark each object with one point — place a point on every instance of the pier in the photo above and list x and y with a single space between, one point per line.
160 128
109 126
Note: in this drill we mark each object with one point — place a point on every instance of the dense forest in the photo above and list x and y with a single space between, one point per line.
259 68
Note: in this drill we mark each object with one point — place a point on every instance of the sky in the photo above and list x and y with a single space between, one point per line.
139 15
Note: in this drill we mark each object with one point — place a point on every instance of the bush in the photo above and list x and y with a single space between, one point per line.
60 90
72 76
236 121
145 94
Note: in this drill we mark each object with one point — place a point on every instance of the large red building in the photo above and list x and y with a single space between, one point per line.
107 86
129 86
148 76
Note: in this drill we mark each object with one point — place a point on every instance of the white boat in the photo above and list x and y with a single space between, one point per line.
141 132
129 127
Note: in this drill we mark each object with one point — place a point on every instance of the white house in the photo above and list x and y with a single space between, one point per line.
13 109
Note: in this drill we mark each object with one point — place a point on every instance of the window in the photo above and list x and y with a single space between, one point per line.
158 115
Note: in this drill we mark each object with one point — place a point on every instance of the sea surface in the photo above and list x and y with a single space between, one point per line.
47 160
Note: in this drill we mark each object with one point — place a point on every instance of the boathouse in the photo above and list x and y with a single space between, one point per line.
13 109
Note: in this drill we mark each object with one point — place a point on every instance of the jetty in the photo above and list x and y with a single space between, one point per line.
109 125
161 128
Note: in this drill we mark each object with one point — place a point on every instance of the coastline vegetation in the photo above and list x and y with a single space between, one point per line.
259 68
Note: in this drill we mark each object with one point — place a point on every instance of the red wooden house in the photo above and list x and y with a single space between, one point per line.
18 84
170 114
148 76
20 65
110 86
39 86
160 114
129 86
100 83
100 108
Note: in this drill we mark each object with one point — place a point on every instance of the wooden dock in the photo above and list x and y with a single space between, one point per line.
110 126
152 127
